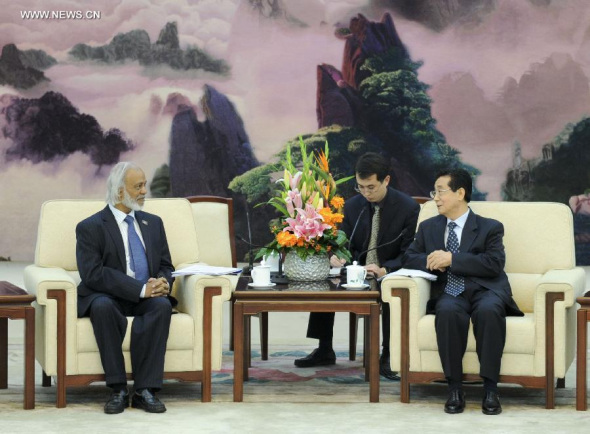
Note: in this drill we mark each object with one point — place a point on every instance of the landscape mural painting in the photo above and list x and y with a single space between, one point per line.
206 95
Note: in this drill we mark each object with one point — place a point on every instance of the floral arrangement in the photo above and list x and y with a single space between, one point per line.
310 208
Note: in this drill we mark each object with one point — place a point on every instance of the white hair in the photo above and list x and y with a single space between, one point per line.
116 181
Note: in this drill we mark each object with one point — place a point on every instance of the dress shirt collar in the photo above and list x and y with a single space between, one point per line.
120 215
460 221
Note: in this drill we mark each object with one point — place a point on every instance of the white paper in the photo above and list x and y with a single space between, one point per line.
207 270
407 272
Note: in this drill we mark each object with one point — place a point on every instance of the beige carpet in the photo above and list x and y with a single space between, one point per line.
281 398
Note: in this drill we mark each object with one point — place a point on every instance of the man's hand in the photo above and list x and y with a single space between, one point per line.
336 262
157 287
439 260
377 271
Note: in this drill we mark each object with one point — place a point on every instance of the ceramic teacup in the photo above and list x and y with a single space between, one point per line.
261 275
355 275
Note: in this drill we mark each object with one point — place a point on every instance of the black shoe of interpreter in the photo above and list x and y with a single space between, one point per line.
491 403
147 401
456 402
385 368
317 358
117 402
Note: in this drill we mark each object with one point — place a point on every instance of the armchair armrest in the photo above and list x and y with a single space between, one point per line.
202 297
408 298
554 310
569 282
51 318
38 280
418 290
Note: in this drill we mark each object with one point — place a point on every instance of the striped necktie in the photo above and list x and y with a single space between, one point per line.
372 257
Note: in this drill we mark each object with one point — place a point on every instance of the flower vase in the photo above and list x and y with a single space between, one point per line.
312 268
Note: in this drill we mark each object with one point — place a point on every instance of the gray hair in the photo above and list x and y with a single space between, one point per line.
116 181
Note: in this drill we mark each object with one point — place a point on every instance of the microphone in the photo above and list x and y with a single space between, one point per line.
248 269
247 242
387 243
356 223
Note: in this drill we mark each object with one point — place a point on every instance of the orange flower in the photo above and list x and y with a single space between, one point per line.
322 161
337 217
286 239
300 242
337 202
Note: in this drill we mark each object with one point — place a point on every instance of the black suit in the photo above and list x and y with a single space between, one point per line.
487 298
399 212
108 295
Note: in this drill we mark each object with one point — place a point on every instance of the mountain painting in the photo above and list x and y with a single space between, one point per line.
205 95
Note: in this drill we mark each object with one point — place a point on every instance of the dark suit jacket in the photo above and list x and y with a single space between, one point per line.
399 212
480 259
100 254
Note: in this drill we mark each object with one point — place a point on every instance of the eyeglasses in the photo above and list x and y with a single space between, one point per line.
433 193
369 188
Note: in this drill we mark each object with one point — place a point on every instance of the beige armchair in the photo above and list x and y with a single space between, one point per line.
214 215
540 264
65 345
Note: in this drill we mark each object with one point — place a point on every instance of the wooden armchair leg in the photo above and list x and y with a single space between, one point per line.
352 336
45 380
231 324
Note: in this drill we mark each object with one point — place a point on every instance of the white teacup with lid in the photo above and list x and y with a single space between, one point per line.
261 275
355 275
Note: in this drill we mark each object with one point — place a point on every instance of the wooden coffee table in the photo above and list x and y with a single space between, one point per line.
323 296
15 303
582 353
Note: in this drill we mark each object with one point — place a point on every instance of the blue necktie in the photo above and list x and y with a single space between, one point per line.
455 284
138 260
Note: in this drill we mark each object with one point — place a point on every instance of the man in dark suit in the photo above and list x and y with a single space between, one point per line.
466 252
126 270
372 219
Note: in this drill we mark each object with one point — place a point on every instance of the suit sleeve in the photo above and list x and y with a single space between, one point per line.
486 262
409 229
166 267
415 256
93 258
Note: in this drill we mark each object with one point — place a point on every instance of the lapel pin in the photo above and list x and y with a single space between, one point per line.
144 222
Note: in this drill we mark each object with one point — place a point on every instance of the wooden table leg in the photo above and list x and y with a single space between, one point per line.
582 348
248 342
264 335
374 351
29 403
247 345
3 353
239 352
352 335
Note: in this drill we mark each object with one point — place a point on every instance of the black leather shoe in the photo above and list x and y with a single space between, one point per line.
385 368
147 401
317 358
456 402
117 402
491 403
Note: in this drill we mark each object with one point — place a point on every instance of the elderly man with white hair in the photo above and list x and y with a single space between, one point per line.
126 270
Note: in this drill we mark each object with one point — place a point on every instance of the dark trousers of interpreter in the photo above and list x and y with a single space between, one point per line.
149 334
487 312
321 325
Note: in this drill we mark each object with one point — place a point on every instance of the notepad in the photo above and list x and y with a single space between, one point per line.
407 272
